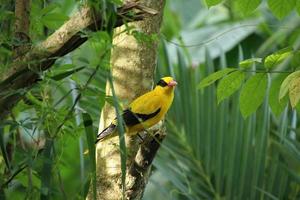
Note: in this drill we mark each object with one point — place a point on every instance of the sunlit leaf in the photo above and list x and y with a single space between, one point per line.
294 91
253 93
212 2
247 6
277 57
214 77
281 8
249 62
229 84
284 88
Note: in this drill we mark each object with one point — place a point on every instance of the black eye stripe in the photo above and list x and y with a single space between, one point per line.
162 83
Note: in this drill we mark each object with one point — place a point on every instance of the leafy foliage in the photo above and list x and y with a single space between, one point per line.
248 63
294 91
277 105
213 2
253 93
229 85
247 6
291 84
90 136
213 152
46 132
214 77
281 9
278 57
255 88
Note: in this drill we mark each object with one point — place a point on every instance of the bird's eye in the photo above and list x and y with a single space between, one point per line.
162 83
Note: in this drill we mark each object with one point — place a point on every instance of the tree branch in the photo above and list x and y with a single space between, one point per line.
133 65
140 169
25 70
22 24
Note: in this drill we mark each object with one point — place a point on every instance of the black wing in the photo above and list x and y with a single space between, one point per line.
106 132
132 119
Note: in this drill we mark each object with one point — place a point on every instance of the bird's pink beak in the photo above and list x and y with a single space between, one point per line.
172 83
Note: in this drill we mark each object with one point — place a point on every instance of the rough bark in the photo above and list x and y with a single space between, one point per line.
133 65
24 71
21 36
22 24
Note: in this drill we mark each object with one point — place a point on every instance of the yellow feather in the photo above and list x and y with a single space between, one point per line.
159 98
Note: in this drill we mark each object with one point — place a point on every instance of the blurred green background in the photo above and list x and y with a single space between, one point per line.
210 152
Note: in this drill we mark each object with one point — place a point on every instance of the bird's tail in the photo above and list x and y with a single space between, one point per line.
108 131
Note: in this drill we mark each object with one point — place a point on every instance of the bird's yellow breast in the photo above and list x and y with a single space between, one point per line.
158 98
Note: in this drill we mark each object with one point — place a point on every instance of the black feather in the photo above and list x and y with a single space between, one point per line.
107 131
162 83
131 119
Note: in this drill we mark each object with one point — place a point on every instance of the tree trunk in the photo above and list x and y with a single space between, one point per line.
22 24
133 65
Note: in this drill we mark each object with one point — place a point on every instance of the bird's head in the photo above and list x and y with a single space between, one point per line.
166 83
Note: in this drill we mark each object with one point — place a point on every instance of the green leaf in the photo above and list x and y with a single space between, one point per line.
284 88
3 149
35 180
250 62
294 91
277 57
46 172
49 8
212 2
252 94
5 14
117 2
288 153
247 6
90 136
54 20
121 132
229 85
214 77
276 106
52 17
63 75
295 62
281 8
298 7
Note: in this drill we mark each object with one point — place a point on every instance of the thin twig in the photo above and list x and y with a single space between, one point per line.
13 176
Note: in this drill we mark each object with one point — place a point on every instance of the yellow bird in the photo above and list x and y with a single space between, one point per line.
145 111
